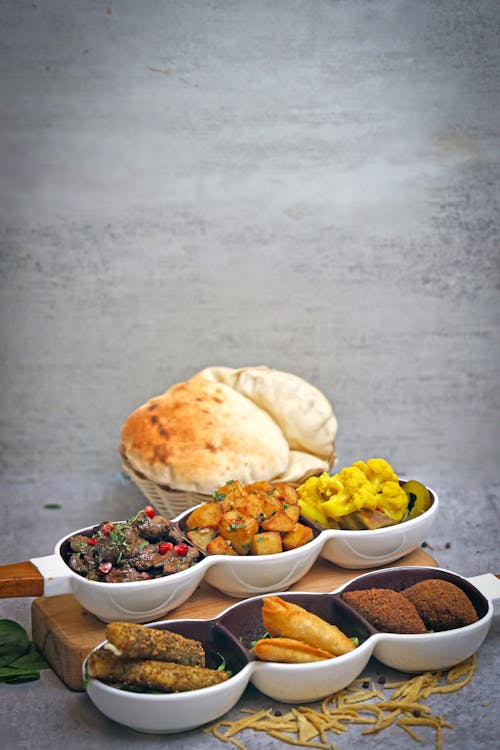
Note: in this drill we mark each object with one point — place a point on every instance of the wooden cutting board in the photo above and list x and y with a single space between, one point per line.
64 632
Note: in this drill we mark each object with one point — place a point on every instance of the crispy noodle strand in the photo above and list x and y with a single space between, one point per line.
304 726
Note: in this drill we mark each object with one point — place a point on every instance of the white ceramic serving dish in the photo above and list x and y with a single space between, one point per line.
238 577
233 631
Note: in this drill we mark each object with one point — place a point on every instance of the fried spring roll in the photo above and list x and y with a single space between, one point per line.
139 642
288 620
161 676
289 650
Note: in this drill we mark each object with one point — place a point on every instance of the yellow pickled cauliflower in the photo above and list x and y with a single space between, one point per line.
363 486
378 471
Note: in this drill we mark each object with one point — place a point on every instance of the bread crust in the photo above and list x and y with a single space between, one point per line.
199 434
246 424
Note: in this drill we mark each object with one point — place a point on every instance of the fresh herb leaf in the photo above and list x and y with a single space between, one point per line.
10 675
222 665
14 641
19 659
32 660
264 635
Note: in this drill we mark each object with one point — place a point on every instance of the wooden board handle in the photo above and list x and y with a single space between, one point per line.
20 579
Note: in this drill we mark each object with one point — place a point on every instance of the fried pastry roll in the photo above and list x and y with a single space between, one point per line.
135 641
161 676
288 620
289 650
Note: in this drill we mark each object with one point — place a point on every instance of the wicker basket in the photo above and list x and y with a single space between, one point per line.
170 503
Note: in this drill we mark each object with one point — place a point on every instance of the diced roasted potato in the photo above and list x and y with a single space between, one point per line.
227 494
279 521
219 546
293 511
299 535
201 537
266 543
251 505
205 515
271 505
248 520
286 492
261 486
239 530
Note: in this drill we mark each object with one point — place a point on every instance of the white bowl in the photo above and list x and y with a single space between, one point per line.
233 631
238 577
371 549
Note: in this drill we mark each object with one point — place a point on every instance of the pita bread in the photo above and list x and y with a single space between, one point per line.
302 412
303 465
201 433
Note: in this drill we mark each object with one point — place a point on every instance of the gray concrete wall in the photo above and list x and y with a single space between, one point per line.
308 185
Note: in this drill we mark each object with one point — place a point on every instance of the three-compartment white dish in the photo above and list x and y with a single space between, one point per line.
235 576
232 632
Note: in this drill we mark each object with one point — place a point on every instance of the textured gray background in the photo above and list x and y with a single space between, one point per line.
308 185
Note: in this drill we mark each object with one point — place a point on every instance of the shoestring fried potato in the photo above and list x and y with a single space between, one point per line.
362 703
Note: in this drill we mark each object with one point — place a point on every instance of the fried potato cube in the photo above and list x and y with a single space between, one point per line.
279 521
228 493
251 505
293 511
261 486
238 529
271 505
201 537
266 543
219 546
286 492
205 516
299 535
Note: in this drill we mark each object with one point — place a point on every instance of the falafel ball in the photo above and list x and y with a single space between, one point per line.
386 610
441 605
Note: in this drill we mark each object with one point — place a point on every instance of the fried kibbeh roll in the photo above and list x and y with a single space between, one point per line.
441 604
165 677
386 610
282 618
135 641
289 650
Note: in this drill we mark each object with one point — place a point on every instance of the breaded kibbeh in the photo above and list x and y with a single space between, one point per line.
441 605
386 610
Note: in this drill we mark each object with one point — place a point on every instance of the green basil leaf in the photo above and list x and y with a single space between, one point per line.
9 674
33 660
14 641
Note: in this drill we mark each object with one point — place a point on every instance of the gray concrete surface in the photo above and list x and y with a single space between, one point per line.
308 185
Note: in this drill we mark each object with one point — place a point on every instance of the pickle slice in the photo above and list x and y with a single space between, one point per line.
368 520
419 498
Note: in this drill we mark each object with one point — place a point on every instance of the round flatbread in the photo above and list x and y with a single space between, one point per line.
200 434
302 412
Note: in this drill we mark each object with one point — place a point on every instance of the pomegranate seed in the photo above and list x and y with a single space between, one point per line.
91 542
165 547
181 549
149 511
105 568
106 528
